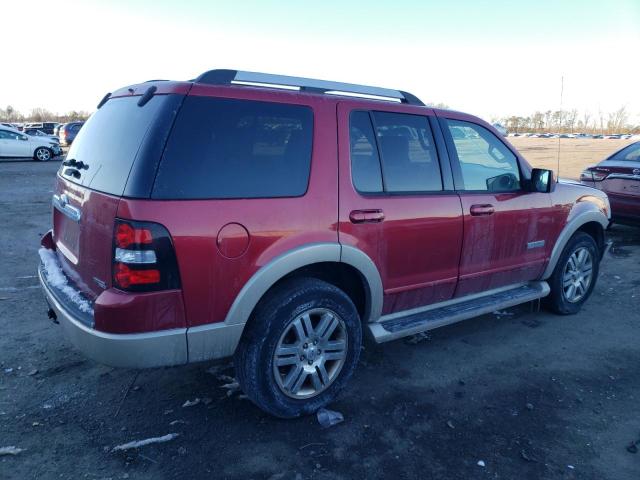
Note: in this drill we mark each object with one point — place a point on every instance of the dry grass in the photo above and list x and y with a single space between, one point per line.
575 154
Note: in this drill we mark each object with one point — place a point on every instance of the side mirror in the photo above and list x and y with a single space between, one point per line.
541 180
24 137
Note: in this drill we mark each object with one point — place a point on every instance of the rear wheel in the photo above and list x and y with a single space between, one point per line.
43 154
575 275
300 348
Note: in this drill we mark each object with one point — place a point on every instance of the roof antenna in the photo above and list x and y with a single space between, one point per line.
560 123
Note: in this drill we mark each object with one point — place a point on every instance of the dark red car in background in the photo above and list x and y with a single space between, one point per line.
277 219
619 176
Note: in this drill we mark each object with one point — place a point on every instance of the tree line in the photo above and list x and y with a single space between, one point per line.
11 115
571 121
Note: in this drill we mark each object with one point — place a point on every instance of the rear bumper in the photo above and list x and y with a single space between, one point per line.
136 350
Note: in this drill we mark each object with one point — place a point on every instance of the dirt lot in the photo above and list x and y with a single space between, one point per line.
575 154
532 395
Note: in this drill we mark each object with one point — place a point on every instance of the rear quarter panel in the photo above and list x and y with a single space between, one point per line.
210 280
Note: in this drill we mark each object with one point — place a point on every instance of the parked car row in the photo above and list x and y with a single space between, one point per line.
616 136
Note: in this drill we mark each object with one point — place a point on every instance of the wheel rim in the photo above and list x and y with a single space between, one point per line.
577 276
43 154
310 353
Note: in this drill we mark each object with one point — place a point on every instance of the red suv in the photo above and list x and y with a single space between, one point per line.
278 219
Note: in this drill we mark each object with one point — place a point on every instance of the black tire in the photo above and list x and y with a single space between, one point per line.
557 300
254 357
42 154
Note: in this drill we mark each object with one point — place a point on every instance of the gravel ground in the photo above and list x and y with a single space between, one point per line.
527 394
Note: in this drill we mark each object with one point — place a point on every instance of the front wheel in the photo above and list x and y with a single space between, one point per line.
43 154
300 348
575 275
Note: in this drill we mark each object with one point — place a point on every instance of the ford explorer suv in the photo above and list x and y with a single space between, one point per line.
279 219
619 177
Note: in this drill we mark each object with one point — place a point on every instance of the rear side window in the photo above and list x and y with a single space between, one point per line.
393 153
229 148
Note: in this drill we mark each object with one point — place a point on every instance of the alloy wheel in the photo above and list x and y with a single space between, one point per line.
577 275
310 353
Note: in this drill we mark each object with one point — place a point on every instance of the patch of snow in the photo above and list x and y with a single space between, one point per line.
56 278
481 463
10 450
141 443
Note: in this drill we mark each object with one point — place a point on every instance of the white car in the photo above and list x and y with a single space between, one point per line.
14 143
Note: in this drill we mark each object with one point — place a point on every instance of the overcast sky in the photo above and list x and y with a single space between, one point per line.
486 58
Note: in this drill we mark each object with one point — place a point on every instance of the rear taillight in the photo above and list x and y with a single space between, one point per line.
144 259
593 176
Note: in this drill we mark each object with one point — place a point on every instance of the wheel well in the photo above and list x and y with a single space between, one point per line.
596 231
342 275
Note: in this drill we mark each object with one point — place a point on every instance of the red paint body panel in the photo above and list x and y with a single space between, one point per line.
85 248
122 312
495 251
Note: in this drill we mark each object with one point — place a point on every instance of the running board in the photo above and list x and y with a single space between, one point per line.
398 325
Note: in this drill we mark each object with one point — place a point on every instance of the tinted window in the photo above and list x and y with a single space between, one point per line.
226 148
631 153
486 163
409 159
115 136
365 164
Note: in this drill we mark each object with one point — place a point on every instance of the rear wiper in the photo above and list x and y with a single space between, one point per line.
77 165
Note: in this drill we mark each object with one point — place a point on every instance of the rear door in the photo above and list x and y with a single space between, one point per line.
622 183
397 202
97 171
507 229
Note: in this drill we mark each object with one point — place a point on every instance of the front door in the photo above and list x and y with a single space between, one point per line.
397 202
506 227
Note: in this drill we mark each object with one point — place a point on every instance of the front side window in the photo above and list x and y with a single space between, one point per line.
486 163
393 153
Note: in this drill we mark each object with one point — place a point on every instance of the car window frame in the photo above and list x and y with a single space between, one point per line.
439 147
455 160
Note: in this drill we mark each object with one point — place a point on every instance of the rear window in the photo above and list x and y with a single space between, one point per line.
115 137
229 148
630 153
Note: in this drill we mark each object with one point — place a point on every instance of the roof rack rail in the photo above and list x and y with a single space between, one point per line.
239 77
